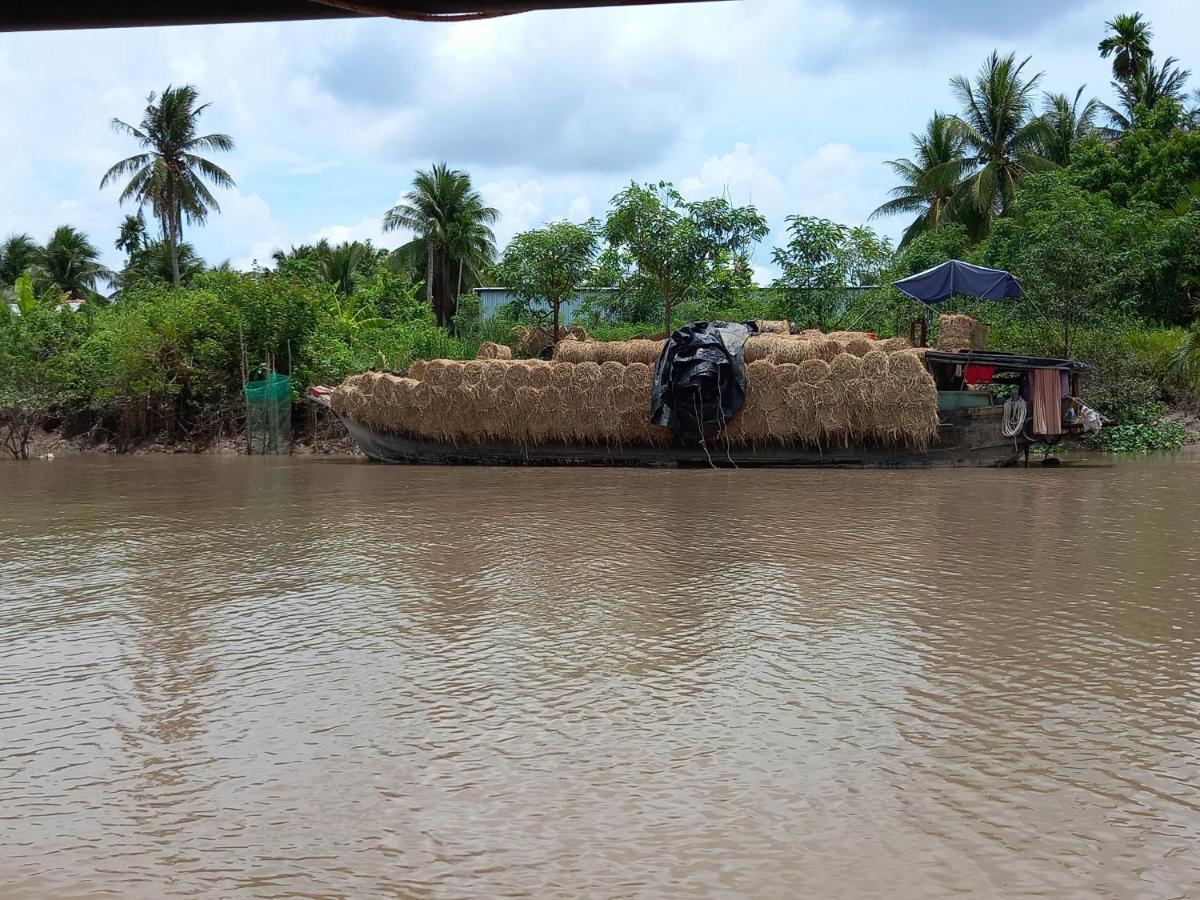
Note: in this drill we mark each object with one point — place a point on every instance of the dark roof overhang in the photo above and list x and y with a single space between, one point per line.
48 15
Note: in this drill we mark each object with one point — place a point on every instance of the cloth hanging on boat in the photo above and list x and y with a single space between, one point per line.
977 374
1046 392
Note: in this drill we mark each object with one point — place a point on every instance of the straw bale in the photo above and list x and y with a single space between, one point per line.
845 367
492 350
572 351
586 374
860 346
894 344
845 337
760 346
579 333
959 332
539 376
875 364
826 349
813 371
792 351
773 326
907 366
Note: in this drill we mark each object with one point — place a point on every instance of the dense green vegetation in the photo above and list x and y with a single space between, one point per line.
1094 206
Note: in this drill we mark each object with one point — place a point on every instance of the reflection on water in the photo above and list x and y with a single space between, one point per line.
299 677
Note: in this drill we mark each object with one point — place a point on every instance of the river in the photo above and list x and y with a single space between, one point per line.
300 677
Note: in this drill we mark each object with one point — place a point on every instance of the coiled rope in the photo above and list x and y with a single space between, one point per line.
1015 410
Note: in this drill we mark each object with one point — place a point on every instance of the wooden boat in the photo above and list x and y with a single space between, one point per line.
967 436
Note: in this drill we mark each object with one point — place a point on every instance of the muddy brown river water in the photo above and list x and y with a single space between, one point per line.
237 677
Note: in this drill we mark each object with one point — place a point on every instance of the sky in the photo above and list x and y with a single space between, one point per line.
791 105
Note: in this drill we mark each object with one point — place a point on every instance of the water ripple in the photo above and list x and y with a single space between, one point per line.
298 678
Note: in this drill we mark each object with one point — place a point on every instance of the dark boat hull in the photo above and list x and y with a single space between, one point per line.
967 437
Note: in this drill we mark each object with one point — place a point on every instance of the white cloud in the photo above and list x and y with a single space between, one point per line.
788 104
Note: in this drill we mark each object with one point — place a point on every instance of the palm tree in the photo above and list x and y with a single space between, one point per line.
445 210
1146 88
1127 41
153 260
71 263
473 246
132 236
1001 137
928 182
169 175
1067 123
17 253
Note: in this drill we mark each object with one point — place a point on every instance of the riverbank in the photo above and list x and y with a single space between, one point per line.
330 439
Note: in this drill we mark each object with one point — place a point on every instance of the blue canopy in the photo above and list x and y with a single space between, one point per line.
957 277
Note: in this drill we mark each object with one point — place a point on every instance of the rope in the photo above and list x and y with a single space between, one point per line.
1014 416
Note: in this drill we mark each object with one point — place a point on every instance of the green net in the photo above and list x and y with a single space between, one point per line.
269 414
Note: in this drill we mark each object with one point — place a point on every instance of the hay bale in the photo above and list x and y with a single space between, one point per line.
492 350
827 349
959 332
773 326
579 333
760 346
860 346
908 366
791 352
573 351
895 344
875 365
813 372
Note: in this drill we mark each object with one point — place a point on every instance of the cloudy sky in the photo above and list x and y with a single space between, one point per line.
792 105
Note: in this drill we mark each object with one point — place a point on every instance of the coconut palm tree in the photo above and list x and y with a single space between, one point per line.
929 180
132 236
1127 41
1002 138
169 175
1151 84
1067 123
71 263
445 210
17 253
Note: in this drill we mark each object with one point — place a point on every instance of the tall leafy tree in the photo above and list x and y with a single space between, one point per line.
1146 88
549 264
1068 121
1127 40
674 245
443 209
17 253
132 235
169 175
928 181
1002 137
71 263
820 261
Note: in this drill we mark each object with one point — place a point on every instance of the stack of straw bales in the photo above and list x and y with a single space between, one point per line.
809 391
961 332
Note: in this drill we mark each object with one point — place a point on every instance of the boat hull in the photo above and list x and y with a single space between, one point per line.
966 437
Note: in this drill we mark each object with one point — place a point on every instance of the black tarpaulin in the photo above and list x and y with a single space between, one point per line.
700 379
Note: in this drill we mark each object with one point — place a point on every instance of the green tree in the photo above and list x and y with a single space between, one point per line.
17 253
71 263
1067 123
169 175
549 264
820 261
1002 137
1146 89
674 246
930 180
1127 41
1075 252
132 235
446 212
153 260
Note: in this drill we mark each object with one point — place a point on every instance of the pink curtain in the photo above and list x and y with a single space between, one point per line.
1046 389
